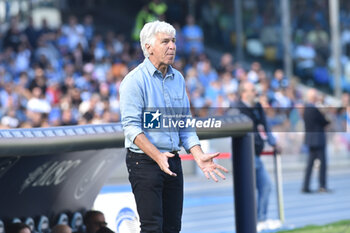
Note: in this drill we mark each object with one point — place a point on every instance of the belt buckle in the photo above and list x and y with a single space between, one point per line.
176 153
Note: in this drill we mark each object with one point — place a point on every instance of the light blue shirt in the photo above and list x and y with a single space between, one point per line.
145 87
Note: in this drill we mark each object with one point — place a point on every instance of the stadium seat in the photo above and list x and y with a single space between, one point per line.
63 219
2 227
15 220
270 53
77 222
30 222
255 47
43 224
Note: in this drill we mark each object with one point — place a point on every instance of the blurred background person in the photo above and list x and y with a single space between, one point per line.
94 220
249 107
315 139
17 227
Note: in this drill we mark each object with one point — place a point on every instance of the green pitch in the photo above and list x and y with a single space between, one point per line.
338 227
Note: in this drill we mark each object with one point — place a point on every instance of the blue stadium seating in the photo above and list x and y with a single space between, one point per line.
43 224
63 219
30 222
77 222
15 220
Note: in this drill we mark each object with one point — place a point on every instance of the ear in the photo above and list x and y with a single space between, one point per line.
149 49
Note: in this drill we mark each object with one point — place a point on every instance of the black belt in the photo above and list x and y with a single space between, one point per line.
176 153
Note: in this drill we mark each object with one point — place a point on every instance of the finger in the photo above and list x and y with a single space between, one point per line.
207 175
221 168
213 176
169 155
211 156
220 174
169 172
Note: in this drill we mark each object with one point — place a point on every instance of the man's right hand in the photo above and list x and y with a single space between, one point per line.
278 149
160 158
162 161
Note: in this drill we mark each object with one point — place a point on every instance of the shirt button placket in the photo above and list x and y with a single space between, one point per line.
168 105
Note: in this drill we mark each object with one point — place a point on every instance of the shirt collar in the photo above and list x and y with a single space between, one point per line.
152 69
170 72
247 104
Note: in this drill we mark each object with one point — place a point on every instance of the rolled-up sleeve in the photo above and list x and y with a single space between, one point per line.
131 104
189 140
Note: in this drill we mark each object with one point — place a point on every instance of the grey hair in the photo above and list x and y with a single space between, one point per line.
149 31
241 88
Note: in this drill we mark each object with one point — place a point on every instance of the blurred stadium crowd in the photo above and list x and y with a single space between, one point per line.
71 75
262 27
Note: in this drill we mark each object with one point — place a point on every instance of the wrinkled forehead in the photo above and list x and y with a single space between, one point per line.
164 35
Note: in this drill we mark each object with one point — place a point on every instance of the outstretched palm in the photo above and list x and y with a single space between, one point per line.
207 165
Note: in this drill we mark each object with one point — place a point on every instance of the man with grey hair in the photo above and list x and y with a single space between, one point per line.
153 162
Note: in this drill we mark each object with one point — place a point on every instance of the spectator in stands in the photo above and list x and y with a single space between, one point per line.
255 112
94 220
213 92
31 32
9 98
75 33
152 11
180 40
38 103
10 119
264 89
89 28
67 118
226 64
158 8
305 55
229 83
61 228
193 35
13 37
315 139
281 99
253 73
206 73
279 80
22 60
142 17
192 81
17 227
45 31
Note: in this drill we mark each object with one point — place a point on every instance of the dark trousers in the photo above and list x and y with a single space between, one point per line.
158 196
316 153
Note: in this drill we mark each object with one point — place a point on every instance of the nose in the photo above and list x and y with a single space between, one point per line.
172 45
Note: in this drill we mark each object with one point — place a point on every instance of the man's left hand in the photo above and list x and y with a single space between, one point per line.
207 165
